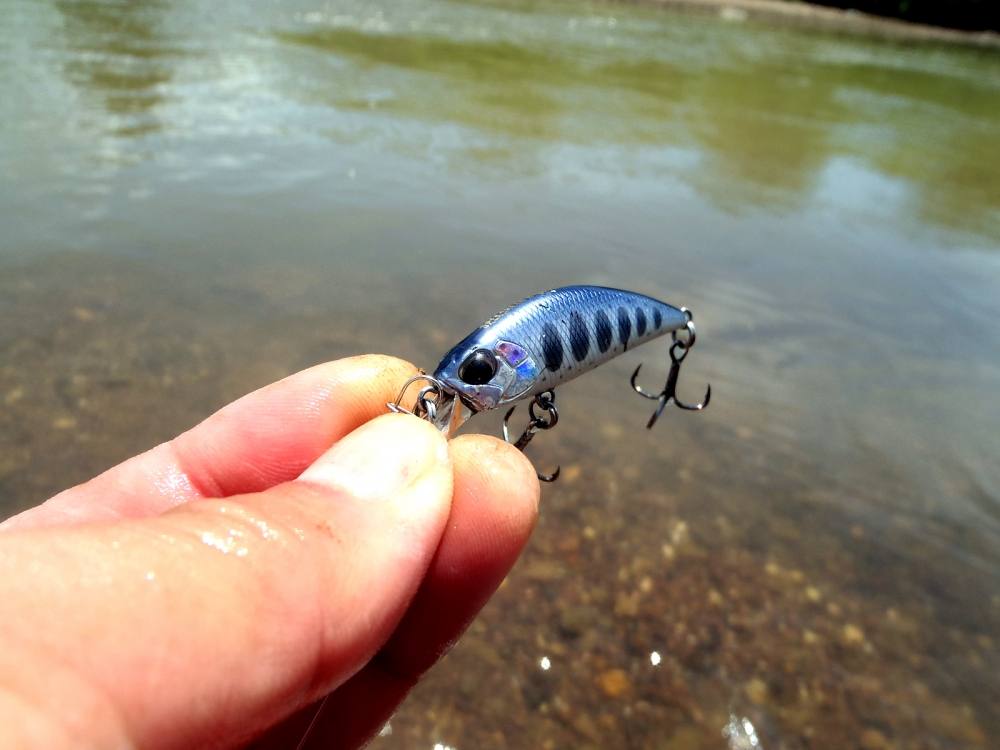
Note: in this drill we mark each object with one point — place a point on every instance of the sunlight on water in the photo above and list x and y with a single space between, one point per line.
740 734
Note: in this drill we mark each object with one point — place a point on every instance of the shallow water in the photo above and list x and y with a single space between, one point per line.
201 197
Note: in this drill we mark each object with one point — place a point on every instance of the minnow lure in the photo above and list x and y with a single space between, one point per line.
547 340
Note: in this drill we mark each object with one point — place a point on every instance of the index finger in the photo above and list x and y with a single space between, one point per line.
263 439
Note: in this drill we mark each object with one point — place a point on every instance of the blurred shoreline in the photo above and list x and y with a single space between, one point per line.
807 15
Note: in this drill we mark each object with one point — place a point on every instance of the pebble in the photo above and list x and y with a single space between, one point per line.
585 725
544 570
813 594
64 423
83 314
576 620
627 605
756 691
612 430
687 737
679 533
614 683
852 634
570 544
872 739
13 395
571 473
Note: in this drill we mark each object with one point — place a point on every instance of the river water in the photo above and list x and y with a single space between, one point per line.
201 197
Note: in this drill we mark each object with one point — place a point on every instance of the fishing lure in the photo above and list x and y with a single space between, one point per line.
530 348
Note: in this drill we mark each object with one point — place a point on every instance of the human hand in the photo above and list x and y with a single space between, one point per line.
141 612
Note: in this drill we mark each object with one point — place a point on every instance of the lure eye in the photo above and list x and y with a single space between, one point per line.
478 368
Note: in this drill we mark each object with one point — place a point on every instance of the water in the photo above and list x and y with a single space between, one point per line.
200 197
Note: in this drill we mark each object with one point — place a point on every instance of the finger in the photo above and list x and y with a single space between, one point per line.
494 510
257 442
492 515
219 618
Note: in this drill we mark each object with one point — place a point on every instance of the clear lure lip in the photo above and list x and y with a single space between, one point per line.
451 414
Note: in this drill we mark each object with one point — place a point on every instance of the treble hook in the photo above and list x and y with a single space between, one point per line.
545 400
678 351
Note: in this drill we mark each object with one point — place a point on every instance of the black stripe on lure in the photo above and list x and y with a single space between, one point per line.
530 348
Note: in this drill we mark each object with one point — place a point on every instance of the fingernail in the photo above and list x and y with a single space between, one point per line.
380 458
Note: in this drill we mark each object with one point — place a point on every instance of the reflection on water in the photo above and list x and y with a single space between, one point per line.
206 196
120 54
763 120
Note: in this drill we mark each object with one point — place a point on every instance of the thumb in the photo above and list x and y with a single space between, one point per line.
221 617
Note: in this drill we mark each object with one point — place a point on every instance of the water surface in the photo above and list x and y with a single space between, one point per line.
200 197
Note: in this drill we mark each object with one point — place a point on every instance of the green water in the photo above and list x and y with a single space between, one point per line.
200 197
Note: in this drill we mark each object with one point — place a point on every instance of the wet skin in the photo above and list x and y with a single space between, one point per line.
296 543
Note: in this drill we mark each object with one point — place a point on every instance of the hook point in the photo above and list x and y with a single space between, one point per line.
638 388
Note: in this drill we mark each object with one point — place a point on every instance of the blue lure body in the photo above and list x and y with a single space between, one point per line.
549 339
